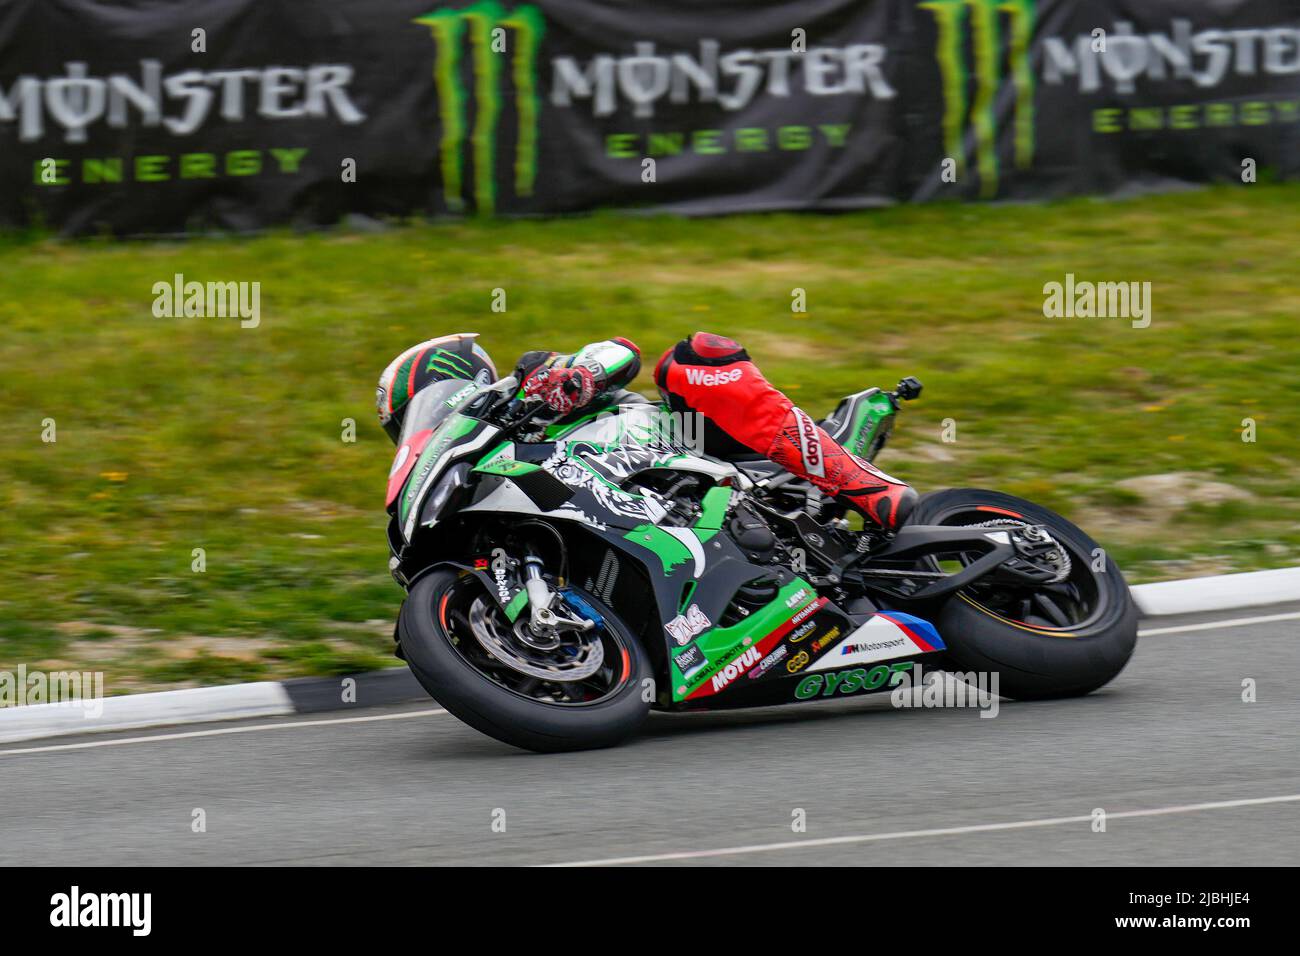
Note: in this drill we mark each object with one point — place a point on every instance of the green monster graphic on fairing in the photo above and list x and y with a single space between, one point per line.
985 18
494 38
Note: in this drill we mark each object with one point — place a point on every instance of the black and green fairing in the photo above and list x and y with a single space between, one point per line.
694 569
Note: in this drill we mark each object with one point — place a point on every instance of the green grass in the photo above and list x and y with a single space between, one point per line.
176 434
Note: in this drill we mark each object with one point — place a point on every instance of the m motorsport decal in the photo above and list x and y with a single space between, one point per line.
885 636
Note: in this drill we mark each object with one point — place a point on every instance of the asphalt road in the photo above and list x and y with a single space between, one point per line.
411 785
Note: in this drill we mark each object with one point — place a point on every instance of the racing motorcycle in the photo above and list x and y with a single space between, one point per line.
563 579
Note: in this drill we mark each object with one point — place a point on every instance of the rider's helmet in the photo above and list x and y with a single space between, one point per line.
456 356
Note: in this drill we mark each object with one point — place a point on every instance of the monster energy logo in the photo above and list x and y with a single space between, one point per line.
449 363
495 39
985 19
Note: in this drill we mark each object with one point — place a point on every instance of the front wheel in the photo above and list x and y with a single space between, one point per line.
573 691
1063 638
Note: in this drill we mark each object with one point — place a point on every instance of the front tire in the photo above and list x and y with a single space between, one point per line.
1070 645
429 640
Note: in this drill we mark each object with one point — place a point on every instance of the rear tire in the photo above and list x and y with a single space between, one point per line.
501 713
1034 662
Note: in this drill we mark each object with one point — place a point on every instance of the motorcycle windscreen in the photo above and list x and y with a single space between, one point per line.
432 404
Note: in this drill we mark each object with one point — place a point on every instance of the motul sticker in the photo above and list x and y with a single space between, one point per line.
737 667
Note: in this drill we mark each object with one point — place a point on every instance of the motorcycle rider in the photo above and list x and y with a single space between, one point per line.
704 373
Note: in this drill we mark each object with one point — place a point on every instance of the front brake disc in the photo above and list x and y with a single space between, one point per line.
577 656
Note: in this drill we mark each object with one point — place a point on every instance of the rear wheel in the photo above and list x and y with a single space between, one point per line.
1062 637
573 690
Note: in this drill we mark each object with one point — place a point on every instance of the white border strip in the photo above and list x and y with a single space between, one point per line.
197 705
1219 593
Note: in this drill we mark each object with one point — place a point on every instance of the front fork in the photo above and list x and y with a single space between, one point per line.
543 619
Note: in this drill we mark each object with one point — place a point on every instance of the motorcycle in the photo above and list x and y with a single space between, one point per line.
565 578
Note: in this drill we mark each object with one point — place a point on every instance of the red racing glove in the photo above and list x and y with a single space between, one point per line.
562 389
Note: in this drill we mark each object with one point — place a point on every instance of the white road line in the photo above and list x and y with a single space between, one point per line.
1211 625
913 834
219 731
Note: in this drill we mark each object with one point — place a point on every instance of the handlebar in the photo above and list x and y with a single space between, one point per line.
500 405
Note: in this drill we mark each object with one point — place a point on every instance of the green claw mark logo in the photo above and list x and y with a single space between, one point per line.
484 25
985 21
449 363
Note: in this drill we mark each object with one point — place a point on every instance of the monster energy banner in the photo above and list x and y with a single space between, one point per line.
150 116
